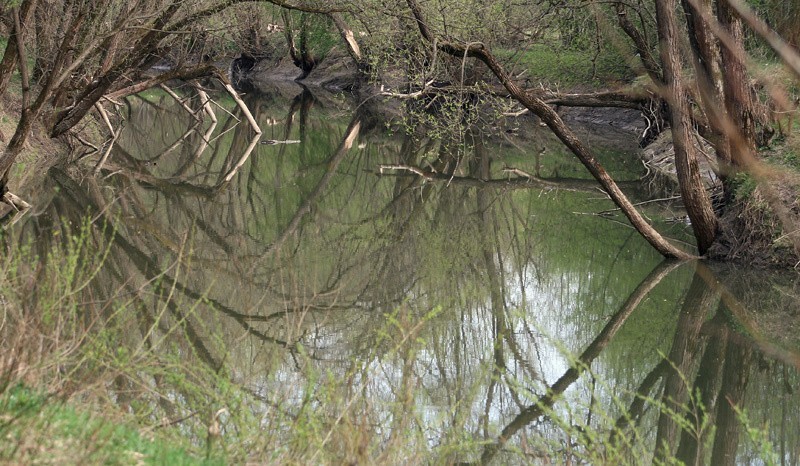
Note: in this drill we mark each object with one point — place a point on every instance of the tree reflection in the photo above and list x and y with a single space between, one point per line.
453 316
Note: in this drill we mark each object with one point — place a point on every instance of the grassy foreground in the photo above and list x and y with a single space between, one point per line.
74 391
40 429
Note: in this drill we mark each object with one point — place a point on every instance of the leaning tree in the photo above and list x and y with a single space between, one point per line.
703 91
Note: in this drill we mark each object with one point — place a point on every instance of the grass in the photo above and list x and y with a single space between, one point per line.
568 67
38 428
47 411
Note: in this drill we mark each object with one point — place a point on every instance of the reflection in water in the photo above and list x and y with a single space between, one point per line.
436 313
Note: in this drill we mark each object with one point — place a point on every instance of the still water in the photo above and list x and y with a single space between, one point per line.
350 292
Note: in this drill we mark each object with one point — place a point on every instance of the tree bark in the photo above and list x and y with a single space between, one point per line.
648 61
739 100
10 57
735 378
349 39
693 193
27 115
707 60
682 359
690 450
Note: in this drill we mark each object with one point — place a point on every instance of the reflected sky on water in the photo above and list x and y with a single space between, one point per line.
427 285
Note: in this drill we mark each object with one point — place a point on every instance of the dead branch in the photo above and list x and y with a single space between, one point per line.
418 171
516 114
426 90
523 180
181 139
239 102
18 205
274 142
205 101
226 110
618 99
232 172
114 135
178 99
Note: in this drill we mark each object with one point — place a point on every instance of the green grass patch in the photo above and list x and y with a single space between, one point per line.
744 185
39 429
569 67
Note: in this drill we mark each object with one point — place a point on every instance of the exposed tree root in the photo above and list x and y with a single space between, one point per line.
752 233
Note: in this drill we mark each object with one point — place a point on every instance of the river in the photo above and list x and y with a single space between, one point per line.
350 292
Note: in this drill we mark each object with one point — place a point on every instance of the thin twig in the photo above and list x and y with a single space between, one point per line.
114 135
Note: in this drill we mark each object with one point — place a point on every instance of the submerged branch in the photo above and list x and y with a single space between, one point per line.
521 180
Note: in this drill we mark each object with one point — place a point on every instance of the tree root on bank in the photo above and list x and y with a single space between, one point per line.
752 232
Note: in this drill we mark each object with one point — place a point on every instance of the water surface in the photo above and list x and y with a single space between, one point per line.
322 290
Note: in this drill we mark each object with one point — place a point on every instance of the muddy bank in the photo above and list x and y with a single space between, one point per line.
335 73
615 127
659 159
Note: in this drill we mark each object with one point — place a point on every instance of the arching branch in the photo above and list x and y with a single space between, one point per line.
549 116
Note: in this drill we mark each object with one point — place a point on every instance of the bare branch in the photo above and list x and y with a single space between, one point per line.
549 116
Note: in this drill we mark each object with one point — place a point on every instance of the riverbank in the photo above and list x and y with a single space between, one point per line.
41 151
345 282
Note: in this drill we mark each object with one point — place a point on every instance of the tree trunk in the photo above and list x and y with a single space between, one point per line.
736 375
709 376
27 116
739 100
682 359
639 40
693 193
350 41
706 57
10 57
561 130
300 55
